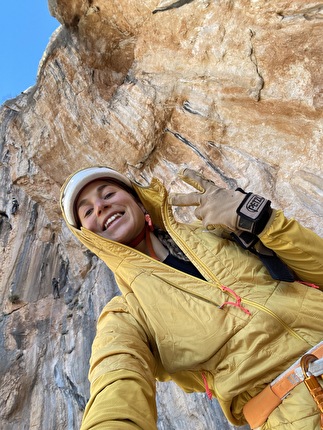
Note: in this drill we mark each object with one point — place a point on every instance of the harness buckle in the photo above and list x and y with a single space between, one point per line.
312 384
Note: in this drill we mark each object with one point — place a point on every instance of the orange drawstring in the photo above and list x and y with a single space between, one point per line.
309 285
207 388
237 303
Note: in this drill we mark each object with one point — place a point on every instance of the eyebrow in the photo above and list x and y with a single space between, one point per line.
84 201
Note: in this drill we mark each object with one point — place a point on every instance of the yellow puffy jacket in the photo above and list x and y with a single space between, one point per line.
239 329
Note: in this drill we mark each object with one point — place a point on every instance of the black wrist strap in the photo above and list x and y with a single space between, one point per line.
253 213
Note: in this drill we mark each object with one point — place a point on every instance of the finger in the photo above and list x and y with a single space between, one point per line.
194 179
197 213
190 199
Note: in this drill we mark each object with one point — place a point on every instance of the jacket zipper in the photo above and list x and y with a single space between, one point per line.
187 251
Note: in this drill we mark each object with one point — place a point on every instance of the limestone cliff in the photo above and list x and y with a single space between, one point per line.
232 88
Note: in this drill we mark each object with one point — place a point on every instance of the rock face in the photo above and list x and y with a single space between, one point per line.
233 89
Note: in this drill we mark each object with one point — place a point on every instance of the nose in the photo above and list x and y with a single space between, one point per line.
99 205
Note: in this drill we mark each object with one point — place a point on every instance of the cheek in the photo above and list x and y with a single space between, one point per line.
86 223
139 216
89 223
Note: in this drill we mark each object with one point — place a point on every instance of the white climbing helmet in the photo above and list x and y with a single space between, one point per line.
76 182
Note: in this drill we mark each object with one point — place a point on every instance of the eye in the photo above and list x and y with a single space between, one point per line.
88 212
108 195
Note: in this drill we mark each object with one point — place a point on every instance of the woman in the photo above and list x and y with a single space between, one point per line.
196 306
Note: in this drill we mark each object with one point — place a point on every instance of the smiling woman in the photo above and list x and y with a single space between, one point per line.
105 202
194 302
110 211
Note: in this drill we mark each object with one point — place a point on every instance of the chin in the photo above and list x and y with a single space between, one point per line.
106 235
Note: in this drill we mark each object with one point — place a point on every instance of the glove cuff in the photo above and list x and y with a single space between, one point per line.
253 213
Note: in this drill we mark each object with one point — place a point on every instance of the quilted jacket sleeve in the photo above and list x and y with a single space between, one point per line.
300 248
121 374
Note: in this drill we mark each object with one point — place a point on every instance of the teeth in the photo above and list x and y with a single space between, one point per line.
111 219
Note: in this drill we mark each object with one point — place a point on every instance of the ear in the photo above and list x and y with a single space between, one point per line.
147 216
149 221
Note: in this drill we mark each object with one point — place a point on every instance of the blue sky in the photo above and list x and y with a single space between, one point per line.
25 30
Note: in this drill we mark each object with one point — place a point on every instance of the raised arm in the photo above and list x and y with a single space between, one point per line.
300 248
121 374
250 218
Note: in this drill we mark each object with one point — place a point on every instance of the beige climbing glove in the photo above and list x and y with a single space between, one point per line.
235 210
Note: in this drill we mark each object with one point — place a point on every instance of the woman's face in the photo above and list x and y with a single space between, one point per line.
110 211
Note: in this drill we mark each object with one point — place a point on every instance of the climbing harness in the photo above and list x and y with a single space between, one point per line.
258 409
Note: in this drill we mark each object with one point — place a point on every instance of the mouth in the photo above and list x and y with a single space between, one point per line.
111 220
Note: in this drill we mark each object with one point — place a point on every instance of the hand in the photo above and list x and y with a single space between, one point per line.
235 210
215 205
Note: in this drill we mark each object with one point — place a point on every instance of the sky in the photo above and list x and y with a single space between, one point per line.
25 30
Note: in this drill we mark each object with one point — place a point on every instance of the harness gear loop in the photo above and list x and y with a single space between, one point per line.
312 384
259 407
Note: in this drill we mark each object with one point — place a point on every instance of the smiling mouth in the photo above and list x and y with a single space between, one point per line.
111 219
